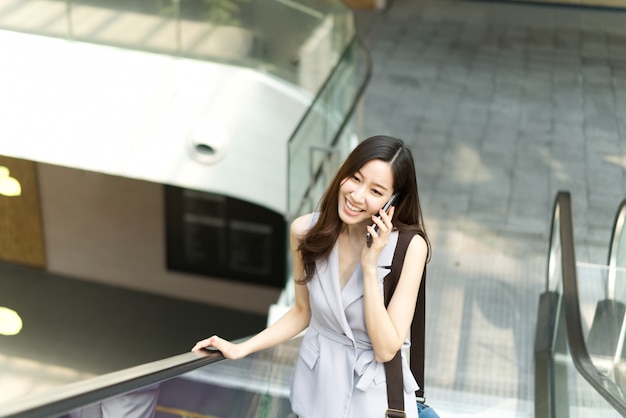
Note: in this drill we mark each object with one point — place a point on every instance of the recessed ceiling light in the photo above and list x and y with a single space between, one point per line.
9 186
10 322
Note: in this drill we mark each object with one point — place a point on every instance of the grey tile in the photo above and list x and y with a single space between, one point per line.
514 103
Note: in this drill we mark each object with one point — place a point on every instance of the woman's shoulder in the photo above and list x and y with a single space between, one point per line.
418 245
302 224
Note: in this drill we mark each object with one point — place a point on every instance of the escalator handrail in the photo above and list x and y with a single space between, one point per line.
576 340
75 395
616 237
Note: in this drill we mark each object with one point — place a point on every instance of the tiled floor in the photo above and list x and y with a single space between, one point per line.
504 104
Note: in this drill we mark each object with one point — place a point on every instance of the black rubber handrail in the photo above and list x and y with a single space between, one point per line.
571 309
76 395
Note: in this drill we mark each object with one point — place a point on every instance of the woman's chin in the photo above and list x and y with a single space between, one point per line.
349 218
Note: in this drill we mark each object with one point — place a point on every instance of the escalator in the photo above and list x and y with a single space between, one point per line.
188 385
579 356
579 345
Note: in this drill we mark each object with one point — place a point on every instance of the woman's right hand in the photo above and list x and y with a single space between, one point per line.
229 350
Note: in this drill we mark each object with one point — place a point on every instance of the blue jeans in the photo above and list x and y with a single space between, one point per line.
426 411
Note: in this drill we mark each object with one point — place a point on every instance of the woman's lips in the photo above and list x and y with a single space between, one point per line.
351 208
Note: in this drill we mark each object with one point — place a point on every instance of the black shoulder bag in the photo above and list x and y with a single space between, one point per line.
393 368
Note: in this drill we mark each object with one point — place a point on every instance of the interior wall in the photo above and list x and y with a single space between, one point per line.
111 229
21 232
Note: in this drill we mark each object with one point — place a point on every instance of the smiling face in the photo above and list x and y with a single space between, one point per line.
365 192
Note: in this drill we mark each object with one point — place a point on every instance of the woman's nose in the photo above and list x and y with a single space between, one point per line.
357 194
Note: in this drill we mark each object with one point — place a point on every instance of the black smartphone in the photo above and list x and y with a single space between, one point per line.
391 202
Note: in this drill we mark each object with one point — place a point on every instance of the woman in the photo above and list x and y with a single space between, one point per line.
339 296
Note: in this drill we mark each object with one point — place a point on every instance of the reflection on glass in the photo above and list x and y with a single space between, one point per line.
617 257
255 386
574 395
141 403
600 317
310 146
241 32
584 400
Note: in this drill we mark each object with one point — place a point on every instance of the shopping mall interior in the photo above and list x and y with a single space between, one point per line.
153 153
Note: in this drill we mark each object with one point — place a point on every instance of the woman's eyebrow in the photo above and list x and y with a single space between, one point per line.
380 186
358 172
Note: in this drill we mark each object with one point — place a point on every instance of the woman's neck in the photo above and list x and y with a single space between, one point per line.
354 234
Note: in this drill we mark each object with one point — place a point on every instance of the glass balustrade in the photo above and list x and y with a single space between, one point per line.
195 384
616 281
581 328
602 323
326 134
298 41
583 400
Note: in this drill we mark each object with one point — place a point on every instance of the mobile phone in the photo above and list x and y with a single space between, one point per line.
391 202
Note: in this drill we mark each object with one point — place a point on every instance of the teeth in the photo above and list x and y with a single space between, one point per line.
352 208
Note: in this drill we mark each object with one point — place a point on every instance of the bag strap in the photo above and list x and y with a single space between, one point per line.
418 339
393 368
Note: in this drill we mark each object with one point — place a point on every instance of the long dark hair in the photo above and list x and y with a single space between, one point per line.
320 239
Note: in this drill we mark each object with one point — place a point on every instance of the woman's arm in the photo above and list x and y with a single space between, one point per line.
388 328
289 325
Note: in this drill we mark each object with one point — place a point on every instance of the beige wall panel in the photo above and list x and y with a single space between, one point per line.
21 232
111 230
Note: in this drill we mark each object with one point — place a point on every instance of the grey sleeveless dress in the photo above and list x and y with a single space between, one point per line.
336 374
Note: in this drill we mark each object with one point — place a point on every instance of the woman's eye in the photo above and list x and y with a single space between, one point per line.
376 192
355 178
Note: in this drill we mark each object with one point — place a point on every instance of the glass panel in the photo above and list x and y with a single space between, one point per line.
599 315
141 24
584 400
574 395
310 148
252 34
619 256
555 274
620 251
43 17
605 321
255 386
240 32
142 402
620 275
